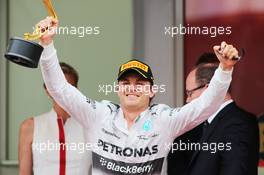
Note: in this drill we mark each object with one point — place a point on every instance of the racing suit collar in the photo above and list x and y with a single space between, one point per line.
121 123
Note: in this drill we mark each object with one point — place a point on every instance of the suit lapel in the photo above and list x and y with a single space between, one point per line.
211 128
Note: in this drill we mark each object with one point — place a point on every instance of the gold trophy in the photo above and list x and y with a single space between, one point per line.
25 52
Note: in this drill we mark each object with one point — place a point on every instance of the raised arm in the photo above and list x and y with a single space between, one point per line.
67 96
192 114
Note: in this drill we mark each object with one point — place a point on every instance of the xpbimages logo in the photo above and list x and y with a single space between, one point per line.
79 31
147 89
212 31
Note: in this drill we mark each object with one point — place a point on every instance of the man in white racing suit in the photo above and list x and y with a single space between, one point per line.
133 137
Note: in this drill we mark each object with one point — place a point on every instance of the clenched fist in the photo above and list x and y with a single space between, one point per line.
226 54
48 28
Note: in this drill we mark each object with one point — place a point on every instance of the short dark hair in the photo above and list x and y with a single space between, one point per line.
68 69
205 66
207 57
204 73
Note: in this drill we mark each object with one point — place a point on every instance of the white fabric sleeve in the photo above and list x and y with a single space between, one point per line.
181 120
83 109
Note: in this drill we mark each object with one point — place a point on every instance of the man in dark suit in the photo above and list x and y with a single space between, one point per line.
226 144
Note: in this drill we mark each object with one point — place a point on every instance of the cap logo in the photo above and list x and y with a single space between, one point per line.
134 64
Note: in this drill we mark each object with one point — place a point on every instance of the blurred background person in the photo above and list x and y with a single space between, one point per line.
53 143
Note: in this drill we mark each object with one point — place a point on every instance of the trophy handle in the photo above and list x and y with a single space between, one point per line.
37 32
50 8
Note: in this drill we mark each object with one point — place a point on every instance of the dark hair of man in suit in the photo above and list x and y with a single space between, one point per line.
207 58
206 65
204 73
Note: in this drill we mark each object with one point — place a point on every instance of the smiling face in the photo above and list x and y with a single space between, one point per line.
134 91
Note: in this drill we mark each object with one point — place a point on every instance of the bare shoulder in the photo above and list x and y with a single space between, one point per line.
27 127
